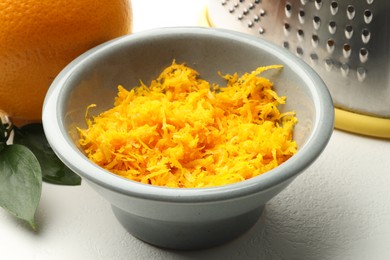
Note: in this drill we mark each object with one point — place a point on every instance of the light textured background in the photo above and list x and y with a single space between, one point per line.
338 209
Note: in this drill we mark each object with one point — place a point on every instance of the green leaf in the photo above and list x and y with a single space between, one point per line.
20 182
53 170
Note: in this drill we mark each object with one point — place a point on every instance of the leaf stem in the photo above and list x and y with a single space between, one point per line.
6 128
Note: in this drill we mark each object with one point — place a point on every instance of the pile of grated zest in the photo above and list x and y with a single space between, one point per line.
183 132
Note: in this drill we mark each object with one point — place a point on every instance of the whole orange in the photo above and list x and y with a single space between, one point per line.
39 38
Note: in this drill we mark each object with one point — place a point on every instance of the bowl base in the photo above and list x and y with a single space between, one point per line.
186 236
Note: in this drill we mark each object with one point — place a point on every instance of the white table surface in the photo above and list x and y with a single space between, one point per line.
338 209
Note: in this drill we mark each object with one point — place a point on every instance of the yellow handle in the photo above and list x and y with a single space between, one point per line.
362 124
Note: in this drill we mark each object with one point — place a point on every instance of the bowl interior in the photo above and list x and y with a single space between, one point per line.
94 77
127 62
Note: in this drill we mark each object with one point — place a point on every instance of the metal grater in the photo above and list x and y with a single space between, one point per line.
347 42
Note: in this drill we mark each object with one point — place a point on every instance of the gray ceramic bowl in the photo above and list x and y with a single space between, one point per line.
171 217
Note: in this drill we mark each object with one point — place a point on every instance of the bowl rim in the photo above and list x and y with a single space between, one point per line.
63 146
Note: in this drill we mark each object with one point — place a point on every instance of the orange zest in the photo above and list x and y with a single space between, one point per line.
183 132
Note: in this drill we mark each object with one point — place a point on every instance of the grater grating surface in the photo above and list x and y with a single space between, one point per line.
346 42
